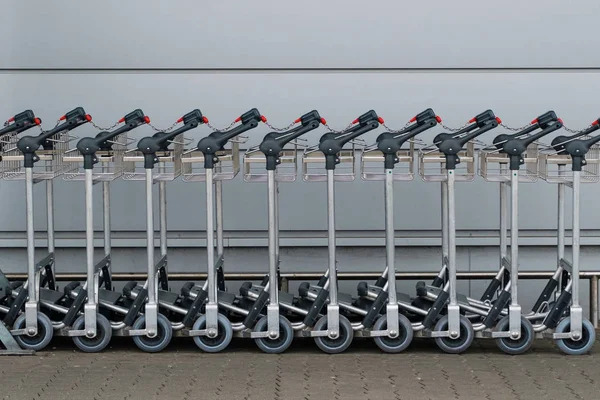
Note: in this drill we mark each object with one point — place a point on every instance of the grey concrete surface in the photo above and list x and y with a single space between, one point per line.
243 372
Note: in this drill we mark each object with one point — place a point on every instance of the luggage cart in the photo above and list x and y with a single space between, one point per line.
333 333
152 331
502 162
33 329
91 331
441 162
214 330
393 331
8 136
564 323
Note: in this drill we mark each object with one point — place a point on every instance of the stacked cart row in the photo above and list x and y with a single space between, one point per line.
92 312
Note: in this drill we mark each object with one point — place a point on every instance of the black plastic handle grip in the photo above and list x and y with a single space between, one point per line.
28 145
389 142
330 145
274 142
214 142
160 141
578 148
451 147
516 145
20 123
476 122
88 146
558 143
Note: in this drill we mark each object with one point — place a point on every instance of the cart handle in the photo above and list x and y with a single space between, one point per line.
210 145
28 145
88 146
331 144
273 143
151 144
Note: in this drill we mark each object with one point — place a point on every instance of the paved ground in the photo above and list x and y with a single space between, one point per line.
243 372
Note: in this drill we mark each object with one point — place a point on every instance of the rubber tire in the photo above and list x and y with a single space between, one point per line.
97 343
572 347
157 343
510 346
334 346
279 345
216 344
455 346
397 344
41 339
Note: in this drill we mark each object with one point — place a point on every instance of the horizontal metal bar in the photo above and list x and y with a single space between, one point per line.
177 276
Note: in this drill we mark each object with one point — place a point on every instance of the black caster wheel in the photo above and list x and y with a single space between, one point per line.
158 342
41 339
341 343
400 342
97 343
520 346
460 344
218 343
576 347
279 345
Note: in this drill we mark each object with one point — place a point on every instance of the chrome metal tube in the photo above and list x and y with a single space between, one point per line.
451 237
152 286
33 298
210 238
444 189
272 217
107 227
561 225
50 214
576 237
514 236
333 287
89 236
390 246
162 207
219 212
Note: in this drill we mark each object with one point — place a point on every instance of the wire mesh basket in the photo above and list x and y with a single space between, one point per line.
110 164
432 164
556 168
494 165
313 164
49 166
167 168
371 164
286 171
226 169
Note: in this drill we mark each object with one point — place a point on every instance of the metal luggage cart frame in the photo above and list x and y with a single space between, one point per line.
432 164
228 167
313 160
110 162
372 158
493 165
287 171
169 165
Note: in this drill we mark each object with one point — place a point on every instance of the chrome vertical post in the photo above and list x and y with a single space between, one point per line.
514 308
273 306
333 309
90 307
151 306
212 308
560 228
390 247
453 307
576 310
31 307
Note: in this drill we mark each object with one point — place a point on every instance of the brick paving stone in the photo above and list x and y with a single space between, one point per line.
303 373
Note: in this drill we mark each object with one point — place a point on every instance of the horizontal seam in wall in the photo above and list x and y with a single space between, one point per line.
298 70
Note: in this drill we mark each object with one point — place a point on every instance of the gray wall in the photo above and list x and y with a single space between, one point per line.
340 57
